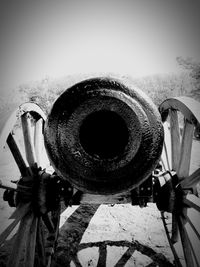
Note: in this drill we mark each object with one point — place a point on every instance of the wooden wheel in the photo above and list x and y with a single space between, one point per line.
22 135
180 158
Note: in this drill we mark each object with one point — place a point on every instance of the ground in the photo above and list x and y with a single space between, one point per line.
119 235
105 235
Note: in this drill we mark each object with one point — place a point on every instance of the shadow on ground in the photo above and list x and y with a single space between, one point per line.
69 244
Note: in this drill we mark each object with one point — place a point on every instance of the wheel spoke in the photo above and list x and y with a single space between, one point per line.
193 217
19 158
48 222
186 147
166 153
28 140
175 235
177 260
185 243
17 215
31 243
192 180
52 237
38 141
165 158
192 201
193 241
175 139
10 186
192 227
50 246
8 231
20 240
40 244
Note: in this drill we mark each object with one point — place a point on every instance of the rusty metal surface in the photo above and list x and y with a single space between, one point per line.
104 136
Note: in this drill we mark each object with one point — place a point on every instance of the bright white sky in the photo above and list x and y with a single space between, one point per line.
56 38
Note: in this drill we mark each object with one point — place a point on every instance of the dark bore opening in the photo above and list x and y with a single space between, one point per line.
104 134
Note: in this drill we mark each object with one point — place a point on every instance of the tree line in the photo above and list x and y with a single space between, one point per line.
158 87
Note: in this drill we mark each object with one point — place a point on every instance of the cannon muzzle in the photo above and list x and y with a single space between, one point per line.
103 136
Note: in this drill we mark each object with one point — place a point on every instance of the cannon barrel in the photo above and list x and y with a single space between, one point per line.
104 136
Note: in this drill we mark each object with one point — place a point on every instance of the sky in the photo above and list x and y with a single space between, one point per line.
55 38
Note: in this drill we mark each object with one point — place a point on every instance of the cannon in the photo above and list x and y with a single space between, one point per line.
102 137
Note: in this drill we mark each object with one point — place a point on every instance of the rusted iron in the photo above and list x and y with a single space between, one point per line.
103 136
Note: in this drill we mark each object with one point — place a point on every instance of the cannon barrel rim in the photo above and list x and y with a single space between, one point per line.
93 90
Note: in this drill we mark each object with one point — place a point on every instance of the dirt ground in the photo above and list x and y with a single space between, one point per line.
119 235
105 235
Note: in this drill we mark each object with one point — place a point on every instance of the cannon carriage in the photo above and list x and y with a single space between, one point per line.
103 140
